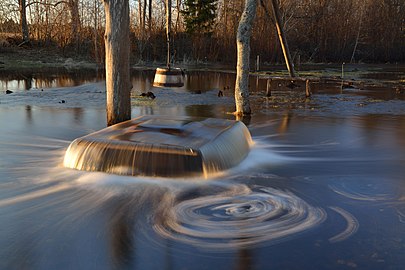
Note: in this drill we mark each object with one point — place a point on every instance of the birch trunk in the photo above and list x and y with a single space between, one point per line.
117 61
242 66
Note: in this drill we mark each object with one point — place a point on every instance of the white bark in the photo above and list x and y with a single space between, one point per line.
117 61
242 66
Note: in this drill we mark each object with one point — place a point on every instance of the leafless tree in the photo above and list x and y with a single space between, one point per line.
23 21
317 31
75 22
242 66
117 61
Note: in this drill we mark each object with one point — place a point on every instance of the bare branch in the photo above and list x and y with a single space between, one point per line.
46 4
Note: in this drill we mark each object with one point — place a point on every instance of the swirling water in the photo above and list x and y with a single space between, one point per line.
237 217
316 192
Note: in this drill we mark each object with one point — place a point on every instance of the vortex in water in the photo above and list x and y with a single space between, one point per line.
238 217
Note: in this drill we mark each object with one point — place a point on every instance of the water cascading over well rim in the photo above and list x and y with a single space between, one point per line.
162 146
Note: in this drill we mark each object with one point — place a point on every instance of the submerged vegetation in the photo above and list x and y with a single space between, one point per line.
317 31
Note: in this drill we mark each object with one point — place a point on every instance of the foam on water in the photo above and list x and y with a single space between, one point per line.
237 216
376 191
352 225
212 211
45 156
34 194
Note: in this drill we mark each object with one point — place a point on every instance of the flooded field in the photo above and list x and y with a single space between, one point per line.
322 188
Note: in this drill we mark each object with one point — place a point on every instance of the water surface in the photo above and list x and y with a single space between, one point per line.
323 187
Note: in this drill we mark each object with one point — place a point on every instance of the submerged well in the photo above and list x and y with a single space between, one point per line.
159 146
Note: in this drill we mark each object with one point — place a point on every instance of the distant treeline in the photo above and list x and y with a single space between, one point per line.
317 30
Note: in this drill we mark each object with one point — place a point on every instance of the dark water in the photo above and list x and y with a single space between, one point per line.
323 188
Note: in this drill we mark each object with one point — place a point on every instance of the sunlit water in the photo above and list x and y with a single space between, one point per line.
321 189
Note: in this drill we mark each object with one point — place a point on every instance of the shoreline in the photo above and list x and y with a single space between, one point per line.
21 59
19 64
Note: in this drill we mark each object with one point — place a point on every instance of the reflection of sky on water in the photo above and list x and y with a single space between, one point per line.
32 80
348 169
36 84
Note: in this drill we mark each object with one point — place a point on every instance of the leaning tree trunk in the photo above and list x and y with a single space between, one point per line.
281 37
23 22
117 61
242 66
280 32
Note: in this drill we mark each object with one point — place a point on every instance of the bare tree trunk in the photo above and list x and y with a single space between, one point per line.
281 37
225 18
140 13
141 29
150 15
144 17
75 24
96 31
242 66
168 28
358 33
117 61
178 6
23 22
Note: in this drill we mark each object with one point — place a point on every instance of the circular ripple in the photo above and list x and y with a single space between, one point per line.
237 217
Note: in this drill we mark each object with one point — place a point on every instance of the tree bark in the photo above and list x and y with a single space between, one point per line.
242 66
358 34
95 26
118 84
140 13
168 28
150 16
144 16
281 37
178 6
75 24
23 22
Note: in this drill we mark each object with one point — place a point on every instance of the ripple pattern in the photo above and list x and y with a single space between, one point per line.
365 194
351 228
237 217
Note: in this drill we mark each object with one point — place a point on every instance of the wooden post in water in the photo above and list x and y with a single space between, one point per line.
307 88
343 75
118 84
268 88
343 71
